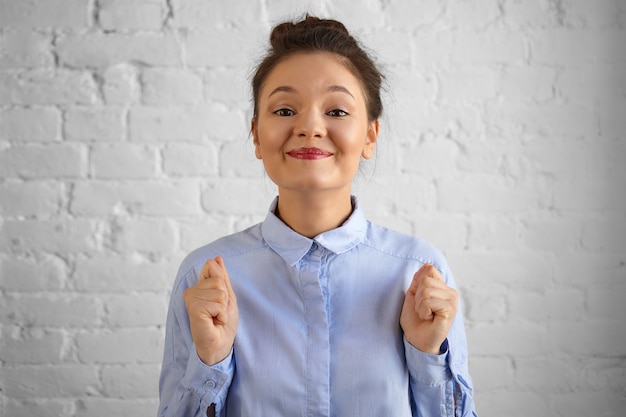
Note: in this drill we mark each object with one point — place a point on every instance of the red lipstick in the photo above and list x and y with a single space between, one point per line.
309 153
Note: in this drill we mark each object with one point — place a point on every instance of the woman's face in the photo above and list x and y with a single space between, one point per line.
312 128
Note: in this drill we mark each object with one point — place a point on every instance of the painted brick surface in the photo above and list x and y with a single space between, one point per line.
124 144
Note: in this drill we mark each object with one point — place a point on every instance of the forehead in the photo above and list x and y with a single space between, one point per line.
310 71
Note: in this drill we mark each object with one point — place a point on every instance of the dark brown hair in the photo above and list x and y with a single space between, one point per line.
314 34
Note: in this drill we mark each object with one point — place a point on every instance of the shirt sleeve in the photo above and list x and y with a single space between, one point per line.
431 382
441 384
187 386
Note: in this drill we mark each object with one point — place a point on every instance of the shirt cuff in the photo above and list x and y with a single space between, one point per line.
209 383
428 370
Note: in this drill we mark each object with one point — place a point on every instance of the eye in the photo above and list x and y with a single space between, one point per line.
284 112
337 113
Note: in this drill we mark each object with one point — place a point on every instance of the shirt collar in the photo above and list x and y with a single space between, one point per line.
292 246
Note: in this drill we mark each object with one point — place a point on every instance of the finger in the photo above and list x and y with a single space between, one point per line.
416 279
220 262
210 275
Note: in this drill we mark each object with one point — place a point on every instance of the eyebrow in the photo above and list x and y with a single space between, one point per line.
332 88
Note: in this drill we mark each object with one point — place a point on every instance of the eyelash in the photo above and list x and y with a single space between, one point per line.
332 113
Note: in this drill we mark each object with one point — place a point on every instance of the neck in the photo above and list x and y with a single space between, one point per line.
311 214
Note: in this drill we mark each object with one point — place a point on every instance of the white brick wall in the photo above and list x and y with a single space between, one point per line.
124 144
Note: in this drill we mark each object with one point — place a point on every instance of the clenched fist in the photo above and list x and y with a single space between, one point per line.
213 313
428 311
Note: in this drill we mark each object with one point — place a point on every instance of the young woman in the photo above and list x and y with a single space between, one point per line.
315 311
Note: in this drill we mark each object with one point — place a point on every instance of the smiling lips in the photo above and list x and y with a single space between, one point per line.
309 153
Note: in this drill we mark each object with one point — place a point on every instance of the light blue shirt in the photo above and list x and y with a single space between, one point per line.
319 329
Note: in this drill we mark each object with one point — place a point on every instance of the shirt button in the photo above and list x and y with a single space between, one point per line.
209 385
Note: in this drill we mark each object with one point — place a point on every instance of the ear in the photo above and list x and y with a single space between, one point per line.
255 139
370 139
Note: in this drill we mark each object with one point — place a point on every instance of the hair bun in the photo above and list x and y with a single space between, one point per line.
287 33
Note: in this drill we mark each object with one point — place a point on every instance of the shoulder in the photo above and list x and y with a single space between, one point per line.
227 247
404 246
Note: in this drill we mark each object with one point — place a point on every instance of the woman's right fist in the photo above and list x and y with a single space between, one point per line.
213 313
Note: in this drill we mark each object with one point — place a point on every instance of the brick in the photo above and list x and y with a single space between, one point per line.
47 86
120 84
603 14
491 373
487 47
186 123
605 234
552 234
153 235
491 268
123 274
589 402
601 374
546 373
605 302
530 14
30 124
390 46
571 120
223 85
24 49
50 161
429 158
30 407
101 199
566 47
527 403
198 14
407 14
527 83
53 236
102 124
468 83
442 230
32 273
219 196
44 14
565 157
130 381
473 14
496 232
163 86
30 198
56 381
135 310
612 122
579 269
31 346
490 194
603 338
517 338
191 160
591 82
105 407
481 306
238 160
52 310
136 346
556 305
200 231
132 14
104 50
129 161
584 196
205 48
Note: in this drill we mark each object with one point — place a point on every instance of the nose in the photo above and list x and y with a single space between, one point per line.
310 124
